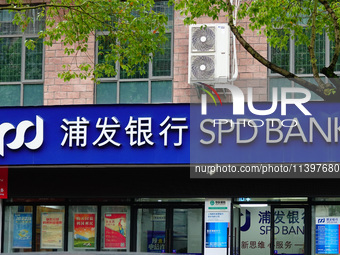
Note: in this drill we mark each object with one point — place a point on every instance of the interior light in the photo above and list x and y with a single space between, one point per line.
253 205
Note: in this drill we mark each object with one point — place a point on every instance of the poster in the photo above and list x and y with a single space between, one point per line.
156 241
22 230
216 235
327 235
52 230
115 230
84 230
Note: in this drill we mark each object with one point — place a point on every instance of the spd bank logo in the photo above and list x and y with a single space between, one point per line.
20 132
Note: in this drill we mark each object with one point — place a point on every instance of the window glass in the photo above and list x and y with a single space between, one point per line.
10 59
255 230
8 28
9 95
104 46
106 93
151 230
145 87
18 229
50 228
280 57
33 94
161 92
187 231
6 24
278 83
302 59
137 75
314 96
283 82
82 228
19 64
115 225
331 52
133 92
33 62
163 6
161 63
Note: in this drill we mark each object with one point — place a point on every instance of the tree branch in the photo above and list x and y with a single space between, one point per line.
311 48
312 87
37 6
336 33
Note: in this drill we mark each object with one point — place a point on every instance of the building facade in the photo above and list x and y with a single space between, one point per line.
113 185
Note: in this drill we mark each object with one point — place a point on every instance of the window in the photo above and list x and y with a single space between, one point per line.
154 86
21 69
296 59
74 228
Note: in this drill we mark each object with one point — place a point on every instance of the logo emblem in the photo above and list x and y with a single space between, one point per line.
19 139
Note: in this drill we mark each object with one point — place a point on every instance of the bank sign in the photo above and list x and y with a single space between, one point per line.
170 134
93 134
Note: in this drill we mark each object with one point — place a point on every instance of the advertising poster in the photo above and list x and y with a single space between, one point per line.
84 230
115 230
216 235
156 241
327 235
52 230
22 230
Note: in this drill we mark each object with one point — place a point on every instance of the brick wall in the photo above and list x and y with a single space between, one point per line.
76 91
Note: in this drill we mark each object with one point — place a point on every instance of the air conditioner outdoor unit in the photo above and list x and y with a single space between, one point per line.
209 53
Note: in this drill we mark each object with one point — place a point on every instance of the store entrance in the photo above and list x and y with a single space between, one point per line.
262 229
169 229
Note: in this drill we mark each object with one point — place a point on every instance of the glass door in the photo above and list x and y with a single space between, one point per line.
151 230
235 231
186 236
170 229
289 235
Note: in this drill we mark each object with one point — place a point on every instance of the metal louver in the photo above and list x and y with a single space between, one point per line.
203 39
202 67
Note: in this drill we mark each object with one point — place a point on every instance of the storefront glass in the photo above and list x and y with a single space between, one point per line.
326 229
151 230
115 225
187 231
169 230
50 222
255 230
18 229
82 227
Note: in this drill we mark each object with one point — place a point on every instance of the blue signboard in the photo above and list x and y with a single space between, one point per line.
95 134
327 235
168 134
